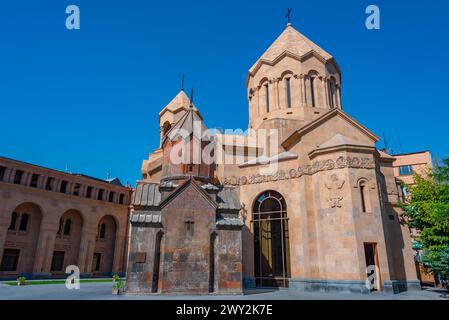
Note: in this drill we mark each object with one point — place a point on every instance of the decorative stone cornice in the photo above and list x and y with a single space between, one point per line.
317 166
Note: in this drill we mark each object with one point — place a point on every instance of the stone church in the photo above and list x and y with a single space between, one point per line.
326 218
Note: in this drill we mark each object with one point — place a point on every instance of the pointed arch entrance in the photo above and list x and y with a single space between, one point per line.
271 240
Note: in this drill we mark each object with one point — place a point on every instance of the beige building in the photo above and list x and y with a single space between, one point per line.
324 219
51 219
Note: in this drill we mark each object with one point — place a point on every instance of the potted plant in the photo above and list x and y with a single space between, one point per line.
115 278
21 281
118 286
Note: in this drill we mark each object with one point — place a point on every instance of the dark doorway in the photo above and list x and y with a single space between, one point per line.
271 240
372 266
157 261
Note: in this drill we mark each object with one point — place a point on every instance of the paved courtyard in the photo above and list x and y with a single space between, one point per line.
103 291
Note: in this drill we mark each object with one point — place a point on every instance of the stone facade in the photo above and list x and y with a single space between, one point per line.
51 219
327 213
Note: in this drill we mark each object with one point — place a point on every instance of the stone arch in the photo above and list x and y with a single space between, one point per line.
271 239
363 186
67 241
103 255
21 240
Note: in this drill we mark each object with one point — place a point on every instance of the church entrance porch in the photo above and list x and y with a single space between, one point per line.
271 240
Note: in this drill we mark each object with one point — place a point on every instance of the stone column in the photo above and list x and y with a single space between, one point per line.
118 252
44 250
326 94
86 252
338 97
4 224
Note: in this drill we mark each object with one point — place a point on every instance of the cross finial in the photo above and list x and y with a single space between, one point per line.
288 16
191 98
182 82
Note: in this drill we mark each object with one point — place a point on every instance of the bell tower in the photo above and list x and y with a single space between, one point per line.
292 83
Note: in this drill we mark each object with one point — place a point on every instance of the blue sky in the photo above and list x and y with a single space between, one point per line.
90 98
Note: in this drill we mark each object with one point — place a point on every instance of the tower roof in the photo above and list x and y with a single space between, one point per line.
289 42
191 121
180 101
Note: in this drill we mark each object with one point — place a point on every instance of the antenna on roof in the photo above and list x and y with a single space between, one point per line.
397 137
108 175
385 148
191 98
289 16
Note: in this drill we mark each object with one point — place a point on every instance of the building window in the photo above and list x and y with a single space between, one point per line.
189 228
63 188
89 192
312 91
100 194
267 94
12 225
49 184
67 227
34 180
2 173
76 189
102 231
331 94
121 198
111 196
96 261
364 196
58 261
289 92
10 260
24 222
18 176
405 170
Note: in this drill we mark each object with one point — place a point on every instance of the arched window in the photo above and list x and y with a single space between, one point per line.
364 196
312 90
331 93
24 222
288 92
12 225
166 127
267 96
271 240
67 227
102 231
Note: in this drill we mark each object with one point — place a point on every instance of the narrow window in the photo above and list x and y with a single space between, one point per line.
12 225
24 222
34 180
10 260
2 173
121 199
362 196
213 236
18 176
102 231
189 228
100 194
111 196
267 93
63 188
331 94
157 261
312 90
76 189
58 261
67 227
289 93
89 192
49 184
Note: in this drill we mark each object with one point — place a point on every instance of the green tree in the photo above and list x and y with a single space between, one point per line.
427 211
